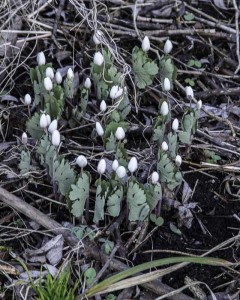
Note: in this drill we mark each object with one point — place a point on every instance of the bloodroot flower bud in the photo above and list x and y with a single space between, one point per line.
101 168
81 161
178 160
103 106
189 92
155 177
87 83
43 121
175 125
120 133
99 129
56 138
48 120
115 165
164 146
41 60
168 47
133 165
167 85
48 84
145 44
58 77
24 138
98 58
70 73
27 99
199 104
116 92
164 108
121 172
96 37
49 72
53 126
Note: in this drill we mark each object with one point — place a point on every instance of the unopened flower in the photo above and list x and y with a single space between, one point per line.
164 146
167 85
164 108
87 83
58 77
81 161
48 120
27 99
178 160
189 92
53 126
41 60
48 84
49 72
168 47
96 37
120 133
103 106
115 165
24 138
145 44
98 58
154 177
132 165
56 138
175 125
115 92
121 172
199 104
99 129
101 168
43 121
70 73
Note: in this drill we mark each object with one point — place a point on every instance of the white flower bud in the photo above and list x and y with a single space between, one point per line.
120 133
175 125
178 160
70 73
168 47
96 37
99 129
98 58
58 77
49 72
81 161
115 92
121 172
199 104
189 92
48 84
103 106
164 146
48 120
155 177
43 121
132 165
53 126
27 99
145 44
115 165
101 168
56 138
164 108
24 138
41 60
87 83
166 85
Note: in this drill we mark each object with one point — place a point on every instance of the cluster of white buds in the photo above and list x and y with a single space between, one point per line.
132 165
120 133
101 168
103 106
164 108
99 129
81 161
98 58
115 92
146 44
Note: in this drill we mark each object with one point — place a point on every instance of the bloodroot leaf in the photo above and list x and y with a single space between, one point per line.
114 202
64 175
101 195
